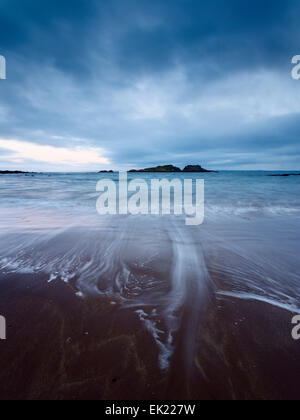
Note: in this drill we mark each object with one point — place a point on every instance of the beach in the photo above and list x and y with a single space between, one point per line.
66 348
143 307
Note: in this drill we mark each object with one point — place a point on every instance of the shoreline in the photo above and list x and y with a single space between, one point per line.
125 308
70 348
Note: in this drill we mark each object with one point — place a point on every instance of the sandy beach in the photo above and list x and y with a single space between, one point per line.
145 307
61 347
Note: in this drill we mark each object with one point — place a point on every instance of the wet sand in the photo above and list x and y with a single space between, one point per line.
138 307
62 347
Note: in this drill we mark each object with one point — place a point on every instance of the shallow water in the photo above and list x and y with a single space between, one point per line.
247 248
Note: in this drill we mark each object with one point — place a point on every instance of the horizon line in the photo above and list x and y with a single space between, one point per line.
141 171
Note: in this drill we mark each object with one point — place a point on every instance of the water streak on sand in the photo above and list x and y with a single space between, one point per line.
166 272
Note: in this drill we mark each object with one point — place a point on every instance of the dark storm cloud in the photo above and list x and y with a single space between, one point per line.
155 81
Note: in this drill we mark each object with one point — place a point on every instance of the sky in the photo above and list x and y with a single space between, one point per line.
122 84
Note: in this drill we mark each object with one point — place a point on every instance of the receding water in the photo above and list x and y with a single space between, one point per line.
247 248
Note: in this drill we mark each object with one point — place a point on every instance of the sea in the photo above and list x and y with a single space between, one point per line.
247 248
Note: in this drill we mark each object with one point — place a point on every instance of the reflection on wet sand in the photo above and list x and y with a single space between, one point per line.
146 308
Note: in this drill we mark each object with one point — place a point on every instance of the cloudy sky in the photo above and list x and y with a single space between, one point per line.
118 84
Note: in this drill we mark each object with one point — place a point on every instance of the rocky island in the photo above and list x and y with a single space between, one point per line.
197 169
165 168
284 175
172 169
13 173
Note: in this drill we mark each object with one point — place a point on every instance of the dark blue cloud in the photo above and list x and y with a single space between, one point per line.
138 34
153 81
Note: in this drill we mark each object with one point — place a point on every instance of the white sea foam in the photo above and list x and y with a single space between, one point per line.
156 265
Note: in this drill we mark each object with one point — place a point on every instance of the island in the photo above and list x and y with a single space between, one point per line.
285 175
174 169
165 168
13 173
197 169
